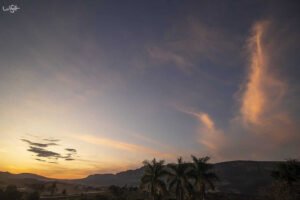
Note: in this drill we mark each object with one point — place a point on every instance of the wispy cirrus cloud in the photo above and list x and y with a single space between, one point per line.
263 123
207 134
156 142
264 92
264 126
165 55
132 148
199 42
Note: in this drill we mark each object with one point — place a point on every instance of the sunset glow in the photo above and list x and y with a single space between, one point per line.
101 86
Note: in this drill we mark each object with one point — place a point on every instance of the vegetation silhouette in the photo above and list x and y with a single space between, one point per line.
153 178
202 175
160 181
178 179
53 188
186 178
286 185
64 192
11 193
116 190
33 196
287 172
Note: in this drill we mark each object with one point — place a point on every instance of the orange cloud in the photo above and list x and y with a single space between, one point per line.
262 97
206 120
132 148
212 138
155 142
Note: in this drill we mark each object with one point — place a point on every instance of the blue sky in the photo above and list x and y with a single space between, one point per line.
124 81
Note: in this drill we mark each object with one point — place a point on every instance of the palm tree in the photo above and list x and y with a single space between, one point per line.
177 176
202 175
152 180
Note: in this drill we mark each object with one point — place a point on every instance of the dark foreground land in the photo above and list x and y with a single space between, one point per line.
115 193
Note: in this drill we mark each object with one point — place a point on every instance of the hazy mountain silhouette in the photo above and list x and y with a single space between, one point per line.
245 177
7 175
129 177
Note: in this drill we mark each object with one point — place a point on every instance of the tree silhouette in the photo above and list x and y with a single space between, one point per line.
53 188
202 175
177 177
152 180
33 196
39 187
1 194
287 172
286 185
12 193
116 190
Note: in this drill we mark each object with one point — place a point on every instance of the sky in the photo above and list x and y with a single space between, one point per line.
100 86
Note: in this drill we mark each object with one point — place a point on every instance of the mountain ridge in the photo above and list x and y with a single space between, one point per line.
238 176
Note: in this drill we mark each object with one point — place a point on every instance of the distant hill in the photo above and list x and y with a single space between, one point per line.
130 178
7 175
245 177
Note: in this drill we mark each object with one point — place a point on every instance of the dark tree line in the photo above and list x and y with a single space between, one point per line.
186 180
11 193
287 182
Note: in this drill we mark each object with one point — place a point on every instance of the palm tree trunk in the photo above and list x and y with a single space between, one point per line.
181 194
152 192
203 198
202 190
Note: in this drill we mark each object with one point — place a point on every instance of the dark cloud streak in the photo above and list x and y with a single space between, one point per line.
40 160
40 152
52 140
38 144
71 150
